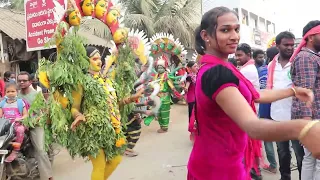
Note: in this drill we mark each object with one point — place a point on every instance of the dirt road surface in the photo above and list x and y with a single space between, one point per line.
162 156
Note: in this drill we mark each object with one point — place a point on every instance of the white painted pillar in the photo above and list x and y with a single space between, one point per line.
39 55
2 48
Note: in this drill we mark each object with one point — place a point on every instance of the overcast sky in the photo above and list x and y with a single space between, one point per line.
295 14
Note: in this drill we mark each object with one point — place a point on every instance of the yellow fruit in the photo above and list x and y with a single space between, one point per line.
120 35
64 101
43 79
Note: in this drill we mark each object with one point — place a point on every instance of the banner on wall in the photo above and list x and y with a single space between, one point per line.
40 22
257 36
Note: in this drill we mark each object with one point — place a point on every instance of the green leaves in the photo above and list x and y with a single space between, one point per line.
125 78
65 75
98 131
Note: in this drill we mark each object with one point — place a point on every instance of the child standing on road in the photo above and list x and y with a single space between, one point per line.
192 68
14 110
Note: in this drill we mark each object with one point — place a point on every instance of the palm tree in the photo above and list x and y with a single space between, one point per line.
13 4
177 17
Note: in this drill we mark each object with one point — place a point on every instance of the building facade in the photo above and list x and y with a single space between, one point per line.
257 19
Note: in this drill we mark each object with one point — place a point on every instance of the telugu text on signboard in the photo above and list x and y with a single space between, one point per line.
40 22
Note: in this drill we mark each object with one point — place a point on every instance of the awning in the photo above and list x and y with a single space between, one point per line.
12 23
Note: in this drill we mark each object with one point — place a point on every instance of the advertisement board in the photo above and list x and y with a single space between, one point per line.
40 22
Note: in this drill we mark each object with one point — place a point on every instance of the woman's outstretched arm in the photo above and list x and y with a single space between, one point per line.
269 96
238 109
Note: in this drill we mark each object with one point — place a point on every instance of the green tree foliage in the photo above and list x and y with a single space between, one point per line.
13 4
177 17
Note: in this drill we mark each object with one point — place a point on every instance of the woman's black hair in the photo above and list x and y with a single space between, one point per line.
209 23
11 84
190 64
90 49
7 74
245 48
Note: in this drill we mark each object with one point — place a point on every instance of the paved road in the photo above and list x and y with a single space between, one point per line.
162 156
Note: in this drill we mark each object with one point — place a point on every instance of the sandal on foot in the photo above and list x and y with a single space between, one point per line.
162 130
131 153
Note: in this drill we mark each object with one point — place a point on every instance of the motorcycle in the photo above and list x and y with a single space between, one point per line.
25 166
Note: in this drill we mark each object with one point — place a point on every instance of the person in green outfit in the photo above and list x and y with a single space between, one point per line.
165 45
166 86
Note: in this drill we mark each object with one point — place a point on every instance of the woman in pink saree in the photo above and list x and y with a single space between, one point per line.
229 131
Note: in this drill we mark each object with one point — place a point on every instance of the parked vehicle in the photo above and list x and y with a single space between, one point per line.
25 166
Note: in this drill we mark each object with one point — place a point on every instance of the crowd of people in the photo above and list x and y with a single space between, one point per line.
242 101
234 105
18 93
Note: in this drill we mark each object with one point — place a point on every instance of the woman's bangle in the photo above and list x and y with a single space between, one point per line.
306 129
294 91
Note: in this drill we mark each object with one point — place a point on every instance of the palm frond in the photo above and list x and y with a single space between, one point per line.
132 7
178 17
141 22
176 27
164 9
148 7
191 11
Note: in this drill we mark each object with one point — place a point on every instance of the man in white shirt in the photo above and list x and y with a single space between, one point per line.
279 78
35 83
248 67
